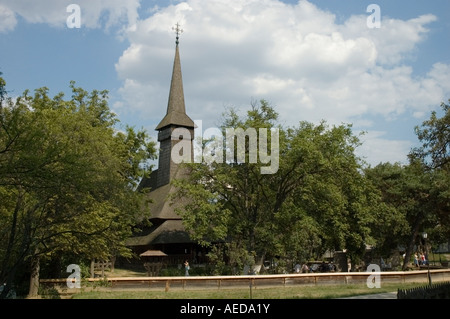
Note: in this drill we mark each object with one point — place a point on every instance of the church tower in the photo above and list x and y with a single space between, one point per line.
167 233
176 117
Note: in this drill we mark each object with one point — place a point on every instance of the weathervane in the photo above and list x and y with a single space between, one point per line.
177 30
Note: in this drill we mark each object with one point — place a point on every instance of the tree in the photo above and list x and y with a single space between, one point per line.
3 93
67 180
434 134
416 195
403 189
433 156
229 198
316 199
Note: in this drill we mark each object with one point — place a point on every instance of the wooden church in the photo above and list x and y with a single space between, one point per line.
167 233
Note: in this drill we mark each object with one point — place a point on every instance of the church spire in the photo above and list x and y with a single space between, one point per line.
176 110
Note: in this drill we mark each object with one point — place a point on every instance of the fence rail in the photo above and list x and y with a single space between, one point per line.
222 282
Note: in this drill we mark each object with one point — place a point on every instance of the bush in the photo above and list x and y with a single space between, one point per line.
172 272
49 292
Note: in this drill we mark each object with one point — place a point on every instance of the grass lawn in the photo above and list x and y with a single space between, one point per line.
298 292
289 292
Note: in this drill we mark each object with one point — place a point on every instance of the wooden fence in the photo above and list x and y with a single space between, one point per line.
261 281
101 266
434 291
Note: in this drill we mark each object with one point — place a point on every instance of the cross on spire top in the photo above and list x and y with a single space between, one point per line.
178 31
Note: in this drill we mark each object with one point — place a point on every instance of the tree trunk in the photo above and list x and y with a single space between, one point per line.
260 263
34 277
8 268
6 262
410 247
113 261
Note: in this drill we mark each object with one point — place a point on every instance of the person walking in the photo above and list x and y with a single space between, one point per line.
186 268
416 260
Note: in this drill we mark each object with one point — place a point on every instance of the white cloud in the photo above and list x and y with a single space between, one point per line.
8 19
295 56
298 57
376 149
94 14
395 40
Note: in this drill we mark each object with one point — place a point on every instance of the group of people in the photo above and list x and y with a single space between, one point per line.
420 259
323 267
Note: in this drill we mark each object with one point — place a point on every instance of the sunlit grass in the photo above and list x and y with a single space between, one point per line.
297 292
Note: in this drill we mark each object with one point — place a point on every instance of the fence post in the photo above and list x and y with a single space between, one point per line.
92 268
251 286
167 285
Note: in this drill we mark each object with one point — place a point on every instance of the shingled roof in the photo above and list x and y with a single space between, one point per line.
176 109
161 204
169 232
167 226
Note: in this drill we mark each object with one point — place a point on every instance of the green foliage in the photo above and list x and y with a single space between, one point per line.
317 199
415 197
49 293
103 282
433 157
434 134
217 257
68 178
173 271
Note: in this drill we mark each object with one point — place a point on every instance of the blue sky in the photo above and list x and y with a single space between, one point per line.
311 60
